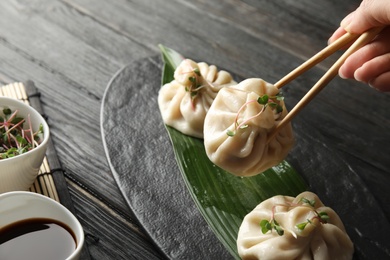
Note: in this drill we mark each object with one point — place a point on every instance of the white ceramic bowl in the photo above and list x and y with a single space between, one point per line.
20 172
20 205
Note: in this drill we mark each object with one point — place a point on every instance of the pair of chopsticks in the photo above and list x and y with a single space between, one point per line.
358 42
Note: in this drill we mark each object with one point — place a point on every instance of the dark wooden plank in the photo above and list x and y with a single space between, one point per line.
110 235
300 29
68 57
296 27
179 26
106 40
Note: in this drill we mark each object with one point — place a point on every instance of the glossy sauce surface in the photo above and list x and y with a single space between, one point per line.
37 238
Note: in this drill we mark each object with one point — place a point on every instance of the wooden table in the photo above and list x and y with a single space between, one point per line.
71 49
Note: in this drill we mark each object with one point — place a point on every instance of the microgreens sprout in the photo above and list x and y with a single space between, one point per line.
197 83
272 224
302 226
322 216
265 100
310 202
269 225
14 139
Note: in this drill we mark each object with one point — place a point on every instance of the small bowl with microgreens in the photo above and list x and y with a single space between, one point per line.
24 135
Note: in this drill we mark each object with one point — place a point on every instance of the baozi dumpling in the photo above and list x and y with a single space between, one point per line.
237 125
286 228
185 101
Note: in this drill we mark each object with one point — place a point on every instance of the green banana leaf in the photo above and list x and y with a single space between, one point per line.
222 198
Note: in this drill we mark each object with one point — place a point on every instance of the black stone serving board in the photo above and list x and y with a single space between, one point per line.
141 158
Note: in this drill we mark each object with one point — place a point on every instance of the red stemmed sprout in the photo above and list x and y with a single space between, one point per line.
16 134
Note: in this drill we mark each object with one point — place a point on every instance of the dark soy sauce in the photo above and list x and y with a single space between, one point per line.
36 238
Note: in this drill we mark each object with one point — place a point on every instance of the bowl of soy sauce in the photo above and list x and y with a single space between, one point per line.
33 226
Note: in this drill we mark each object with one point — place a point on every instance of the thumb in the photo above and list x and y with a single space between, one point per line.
370 13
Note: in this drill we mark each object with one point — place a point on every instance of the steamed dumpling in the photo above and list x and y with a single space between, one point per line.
185 101
308 230
237 126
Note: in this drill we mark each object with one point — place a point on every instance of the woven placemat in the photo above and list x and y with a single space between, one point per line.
51 180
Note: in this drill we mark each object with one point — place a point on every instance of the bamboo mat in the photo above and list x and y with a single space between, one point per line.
44 184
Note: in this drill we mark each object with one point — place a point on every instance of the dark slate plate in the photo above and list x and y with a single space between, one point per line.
142 161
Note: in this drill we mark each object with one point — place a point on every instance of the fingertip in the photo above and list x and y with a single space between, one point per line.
337 34
359 76
377 87
372 86
346 22
381 83
343 73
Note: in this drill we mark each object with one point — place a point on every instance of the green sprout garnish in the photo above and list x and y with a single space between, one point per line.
322 216
270 225
306 201
197 71
267 226
14 138
230 133
302 226
196 84
265 100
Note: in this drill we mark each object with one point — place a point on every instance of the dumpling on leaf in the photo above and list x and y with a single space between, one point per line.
286 228
185 101
237 126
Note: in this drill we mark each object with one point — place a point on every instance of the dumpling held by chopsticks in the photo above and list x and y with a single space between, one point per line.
237 126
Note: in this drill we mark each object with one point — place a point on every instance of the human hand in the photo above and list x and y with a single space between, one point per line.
371 63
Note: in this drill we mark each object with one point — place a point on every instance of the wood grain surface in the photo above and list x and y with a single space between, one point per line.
71 49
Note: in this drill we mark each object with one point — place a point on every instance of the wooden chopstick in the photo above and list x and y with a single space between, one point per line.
320 56
328 76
